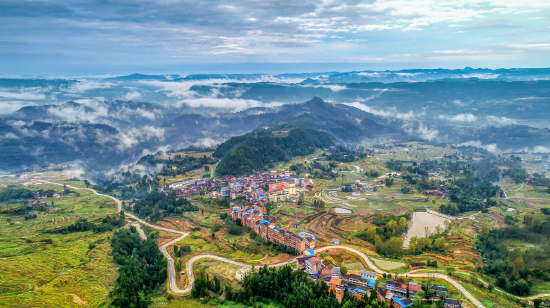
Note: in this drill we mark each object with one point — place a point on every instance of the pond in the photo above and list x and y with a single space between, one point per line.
419 222
340 210
387 265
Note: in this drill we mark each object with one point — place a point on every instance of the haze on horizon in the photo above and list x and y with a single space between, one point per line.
119 37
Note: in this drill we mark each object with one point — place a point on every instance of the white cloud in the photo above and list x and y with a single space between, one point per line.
422 131
237 104
463 117
12 106
481 76
489 147
132 95
207 142
85 85
493 120
332 87
392 113
24 94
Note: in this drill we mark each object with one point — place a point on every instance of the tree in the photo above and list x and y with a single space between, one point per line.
377 241
402 222
371 234
87 183
343 270
348 304
538 302
412 249
391 225
206 168
485 230
396 245
440 243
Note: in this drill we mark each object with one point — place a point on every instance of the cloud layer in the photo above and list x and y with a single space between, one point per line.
64 35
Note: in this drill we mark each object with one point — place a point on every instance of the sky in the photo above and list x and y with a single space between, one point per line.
252 36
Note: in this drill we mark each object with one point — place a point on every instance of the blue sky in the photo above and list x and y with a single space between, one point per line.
239 36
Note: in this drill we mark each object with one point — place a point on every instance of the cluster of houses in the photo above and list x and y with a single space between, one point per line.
38 195
397 293
442 192
254 216
261 186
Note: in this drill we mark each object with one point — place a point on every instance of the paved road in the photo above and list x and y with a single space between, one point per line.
191 262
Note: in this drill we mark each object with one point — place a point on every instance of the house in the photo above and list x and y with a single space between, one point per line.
336 241
397 287
451 303
56 196
438 290
336 272
383 294
355 279
416 265
402 302
337 288
414 288
310 188
301 263
358 292
367 274
326 273
243 271
313 265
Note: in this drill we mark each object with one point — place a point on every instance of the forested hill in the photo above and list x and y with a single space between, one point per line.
345 122
262 152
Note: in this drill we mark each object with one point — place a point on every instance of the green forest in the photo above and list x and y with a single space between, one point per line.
142 268
156 205
262 153
517 271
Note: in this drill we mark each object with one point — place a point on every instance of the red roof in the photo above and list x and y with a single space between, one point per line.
414 287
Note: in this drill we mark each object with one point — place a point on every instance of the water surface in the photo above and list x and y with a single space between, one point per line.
420 220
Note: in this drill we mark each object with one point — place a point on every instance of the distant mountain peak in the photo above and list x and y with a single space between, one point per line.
316 100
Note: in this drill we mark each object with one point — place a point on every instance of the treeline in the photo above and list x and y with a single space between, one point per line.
182 164
386 234
124 185
516 271
108 223
156 205
142 269
285 287
344 154
262 153
15 193
517 173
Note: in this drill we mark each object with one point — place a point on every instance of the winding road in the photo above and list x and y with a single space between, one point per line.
189 266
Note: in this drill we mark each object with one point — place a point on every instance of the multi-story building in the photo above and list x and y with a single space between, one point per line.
397 287
313 265
337 288
243 271
358 292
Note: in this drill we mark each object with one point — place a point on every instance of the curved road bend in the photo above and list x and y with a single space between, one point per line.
190 263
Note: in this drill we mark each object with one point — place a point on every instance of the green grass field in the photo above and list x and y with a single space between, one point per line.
41 269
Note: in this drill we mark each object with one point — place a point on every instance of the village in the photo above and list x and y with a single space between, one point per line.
396 292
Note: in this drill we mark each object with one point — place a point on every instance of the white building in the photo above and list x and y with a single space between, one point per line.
243 271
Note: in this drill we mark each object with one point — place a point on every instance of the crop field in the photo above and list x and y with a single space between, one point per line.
42 269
